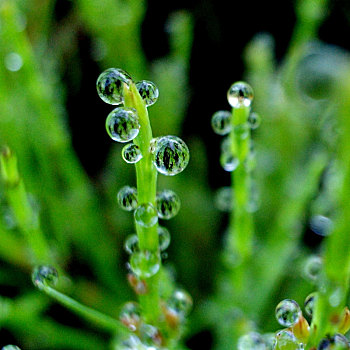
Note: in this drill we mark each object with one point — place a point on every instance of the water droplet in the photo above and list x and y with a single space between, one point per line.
145 264
336 297
228 161
321 225
254 120
171 155
122 124
148 91
44 276
127 198
168 204
146 215
13 62
10 347
251 341
131 244
130 315
223 199
139 286
164 238
287 312
270 340
180 302
150 335
131 153
309 303
240 94
286 340
110 85
221 122
132 343
313 268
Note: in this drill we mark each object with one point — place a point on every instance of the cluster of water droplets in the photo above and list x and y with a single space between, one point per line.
296 332
239 95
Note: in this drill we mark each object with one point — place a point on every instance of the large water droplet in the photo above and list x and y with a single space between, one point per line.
171 155
148 91
122 124
13 62
251 341
44 276
180 302
309 303
221 122
131 244
10 347
288 312
168 204
145 264
146 215
110 85
163 237
240 94
127 198
130 315
131 153
321 225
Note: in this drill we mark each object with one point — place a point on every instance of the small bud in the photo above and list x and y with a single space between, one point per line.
301 329
344 325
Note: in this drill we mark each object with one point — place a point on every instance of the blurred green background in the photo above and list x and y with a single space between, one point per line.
51 53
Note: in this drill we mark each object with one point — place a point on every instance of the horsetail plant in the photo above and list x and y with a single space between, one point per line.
157 321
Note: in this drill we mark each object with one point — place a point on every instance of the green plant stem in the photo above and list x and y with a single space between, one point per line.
146 176
99 319
241 224
335 281
26 218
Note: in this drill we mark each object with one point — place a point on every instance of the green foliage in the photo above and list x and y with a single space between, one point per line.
293 167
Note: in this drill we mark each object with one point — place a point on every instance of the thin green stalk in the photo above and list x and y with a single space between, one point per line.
26 218
146 176
99 319
334 286
241 224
